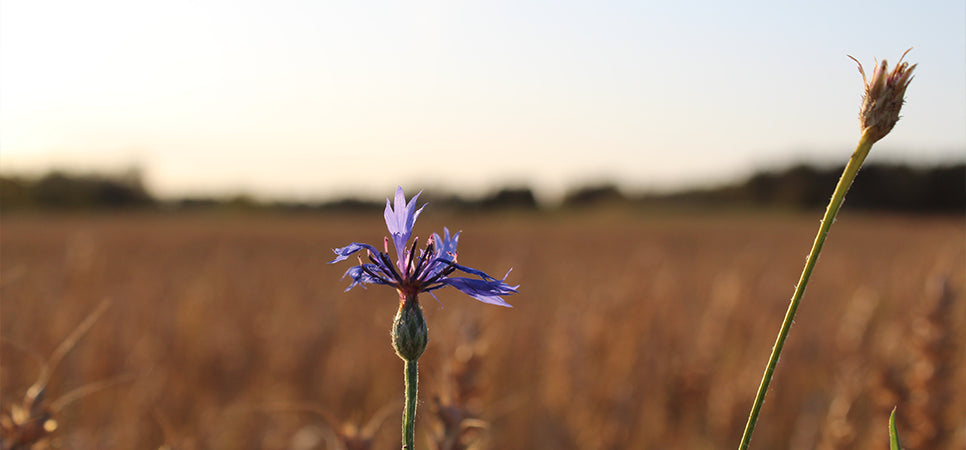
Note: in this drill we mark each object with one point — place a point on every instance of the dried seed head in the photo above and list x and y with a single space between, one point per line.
883 98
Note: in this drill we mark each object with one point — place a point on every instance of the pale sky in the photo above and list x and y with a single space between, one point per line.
318 99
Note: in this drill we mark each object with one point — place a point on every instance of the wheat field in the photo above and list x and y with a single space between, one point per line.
630 330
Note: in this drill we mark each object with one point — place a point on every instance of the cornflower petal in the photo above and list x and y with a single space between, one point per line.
483 290
400 222
343 253
446 246
473 271
359 276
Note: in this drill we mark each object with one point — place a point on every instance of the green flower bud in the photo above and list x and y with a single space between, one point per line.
409 332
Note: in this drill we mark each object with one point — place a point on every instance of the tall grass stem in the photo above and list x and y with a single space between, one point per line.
838 196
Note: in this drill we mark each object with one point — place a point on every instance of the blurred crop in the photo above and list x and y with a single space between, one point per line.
630 331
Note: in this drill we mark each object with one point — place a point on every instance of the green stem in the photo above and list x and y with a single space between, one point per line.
409 415
851 169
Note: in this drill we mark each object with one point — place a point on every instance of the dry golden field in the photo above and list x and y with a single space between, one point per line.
629 331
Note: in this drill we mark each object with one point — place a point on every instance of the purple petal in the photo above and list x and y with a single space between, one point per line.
478 273
446 246
344 252
483 290
400 221
360 276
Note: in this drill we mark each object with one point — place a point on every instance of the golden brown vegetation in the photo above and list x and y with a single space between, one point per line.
628 332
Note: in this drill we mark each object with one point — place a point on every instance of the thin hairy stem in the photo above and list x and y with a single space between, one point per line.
848 175
409 414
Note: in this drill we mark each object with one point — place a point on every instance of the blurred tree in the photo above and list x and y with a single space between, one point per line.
593 196
510 198
60 190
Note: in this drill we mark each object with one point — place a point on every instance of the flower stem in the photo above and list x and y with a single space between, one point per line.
848 175
409 414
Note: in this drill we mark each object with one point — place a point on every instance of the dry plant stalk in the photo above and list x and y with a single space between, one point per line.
457 425
31 423
837 432
342 435
171 439
929 379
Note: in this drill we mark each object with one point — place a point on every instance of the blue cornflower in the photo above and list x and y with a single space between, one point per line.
420 270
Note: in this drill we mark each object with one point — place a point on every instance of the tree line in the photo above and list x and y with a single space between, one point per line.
879 187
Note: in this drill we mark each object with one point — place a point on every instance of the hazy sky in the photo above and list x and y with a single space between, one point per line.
319 98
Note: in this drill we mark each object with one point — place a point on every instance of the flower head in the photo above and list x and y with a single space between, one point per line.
419 270
884 96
